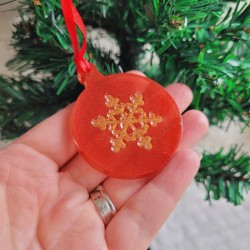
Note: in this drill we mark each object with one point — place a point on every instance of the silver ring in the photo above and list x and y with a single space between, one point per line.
104 205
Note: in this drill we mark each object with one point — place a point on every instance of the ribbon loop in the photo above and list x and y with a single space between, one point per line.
73 20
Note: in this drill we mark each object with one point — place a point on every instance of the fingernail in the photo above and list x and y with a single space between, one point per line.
198 152
136 72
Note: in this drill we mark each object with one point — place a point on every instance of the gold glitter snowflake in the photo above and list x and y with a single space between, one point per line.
127 122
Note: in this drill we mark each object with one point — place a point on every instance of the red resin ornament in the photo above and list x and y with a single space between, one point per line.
126 126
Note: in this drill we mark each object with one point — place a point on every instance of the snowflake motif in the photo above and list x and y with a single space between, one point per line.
127 122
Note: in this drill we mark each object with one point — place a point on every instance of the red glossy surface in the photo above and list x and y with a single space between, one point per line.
94 144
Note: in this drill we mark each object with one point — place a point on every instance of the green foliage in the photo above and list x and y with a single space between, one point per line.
225 175
23 104
203 43
210 53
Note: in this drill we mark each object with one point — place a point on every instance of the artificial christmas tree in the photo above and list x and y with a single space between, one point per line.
204 44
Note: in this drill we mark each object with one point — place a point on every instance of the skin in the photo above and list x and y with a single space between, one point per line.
45 186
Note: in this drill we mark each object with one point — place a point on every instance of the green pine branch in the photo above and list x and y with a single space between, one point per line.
27 100
210 54
23 105
225 175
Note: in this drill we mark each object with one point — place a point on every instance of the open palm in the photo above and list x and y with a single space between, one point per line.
45 186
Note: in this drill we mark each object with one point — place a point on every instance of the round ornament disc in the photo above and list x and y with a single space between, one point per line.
126 126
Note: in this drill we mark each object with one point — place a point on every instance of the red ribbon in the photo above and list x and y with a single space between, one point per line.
73 20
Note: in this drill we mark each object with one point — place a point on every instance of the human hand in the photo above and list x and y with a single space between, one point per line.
45 186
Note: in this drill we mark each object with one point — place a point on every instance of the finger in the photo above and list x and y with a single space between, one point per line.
182 95
143 215
53 137
82 173
119 191
195 126
90 178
